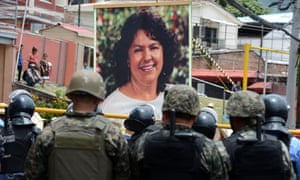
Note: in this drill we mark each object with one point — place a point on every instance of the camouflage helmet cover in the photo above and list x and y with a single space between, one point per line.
87 81
245 104
182 98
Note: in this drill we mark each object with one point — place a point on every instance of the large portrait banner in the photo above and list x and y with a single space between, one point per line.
142 49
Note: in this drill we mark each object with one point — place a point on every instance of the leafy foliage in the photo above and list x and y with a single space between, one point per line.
253 5
57 103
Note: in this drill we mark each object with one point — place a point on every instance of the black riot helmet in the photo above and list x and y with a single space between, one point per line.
206 124
276 113
276 108
140 118
21 107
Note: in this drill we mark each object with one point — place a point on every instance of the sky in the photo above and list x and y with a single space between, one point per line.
274 9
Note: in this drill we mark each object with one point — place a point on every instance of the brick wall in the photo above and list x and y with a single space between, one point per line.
61 53
234 60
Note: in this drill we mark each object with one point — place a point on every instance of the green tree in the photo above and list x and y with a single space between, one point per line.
252 5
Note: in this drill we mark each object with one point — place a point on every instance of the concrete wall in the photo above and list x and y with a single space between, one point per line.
60 33
7 64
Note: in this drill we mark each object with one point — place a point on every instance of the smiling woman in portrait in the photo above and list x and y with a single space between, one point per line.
143 59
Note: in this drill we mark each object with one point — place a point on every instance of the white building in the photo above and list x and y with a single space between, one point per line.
274 39
213 26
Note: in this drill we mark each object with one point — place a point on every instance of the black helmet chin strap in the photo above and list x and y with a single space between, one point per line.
259 120
172 121
6 117
8 134
258 126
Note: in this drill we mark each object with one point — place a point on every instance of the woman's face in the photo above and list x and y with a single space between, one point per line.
145 58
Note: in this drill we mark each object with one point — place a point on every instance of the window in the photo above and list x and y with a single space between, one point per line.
88 56
209 35
35 27
46 1
196 31
78 1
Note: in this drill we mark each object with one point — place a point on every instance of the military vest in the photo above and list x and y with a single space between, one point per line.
259 160
79 152
173 157
135 137
16 147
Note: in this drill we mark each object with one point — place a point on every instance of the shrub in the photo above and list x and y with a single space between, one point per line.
56 103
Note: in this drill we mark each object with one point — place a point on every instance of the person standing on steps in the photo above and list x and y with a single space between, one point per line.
44 69
20 60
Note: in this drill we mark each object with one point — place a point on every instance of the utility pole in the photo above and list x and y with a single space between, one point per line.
291 81
79 9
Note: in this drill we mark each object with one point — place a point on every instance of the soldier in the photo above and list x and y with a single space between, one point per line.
217 133
141 121
81 144
254 155
176 151
276 117
70 108
206 122
19 133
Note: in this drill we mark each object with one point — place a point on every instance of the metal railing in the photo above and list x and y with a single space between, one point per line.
123 116
8 14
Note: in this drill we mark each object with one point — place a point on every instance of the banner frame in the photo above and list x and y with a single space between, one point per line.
125 4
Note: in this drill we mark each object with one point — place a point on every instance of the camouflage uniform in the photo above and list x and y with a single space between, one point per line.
116 148
86 89
247 105
184 99
137 151
211 158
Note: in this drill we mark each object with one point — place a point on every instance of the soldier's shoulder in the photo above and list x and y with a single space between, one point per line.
284 148
46 136
221 148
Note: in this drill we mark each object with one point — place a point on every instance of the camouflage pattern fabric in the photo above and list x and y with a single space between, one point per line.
87 81
136 153
249 133
115 145
245 104
210 158
183 99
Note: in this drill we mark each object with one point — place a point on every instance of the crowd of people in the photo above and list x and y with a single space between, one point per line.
36 71
84 144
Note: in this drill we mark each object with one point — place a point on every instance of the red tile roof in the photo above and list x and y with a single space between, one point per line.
212 75
259 87
80 30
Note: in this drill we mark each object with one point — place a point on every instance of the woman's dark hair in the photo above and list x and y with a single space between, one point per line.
156 27
34 49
